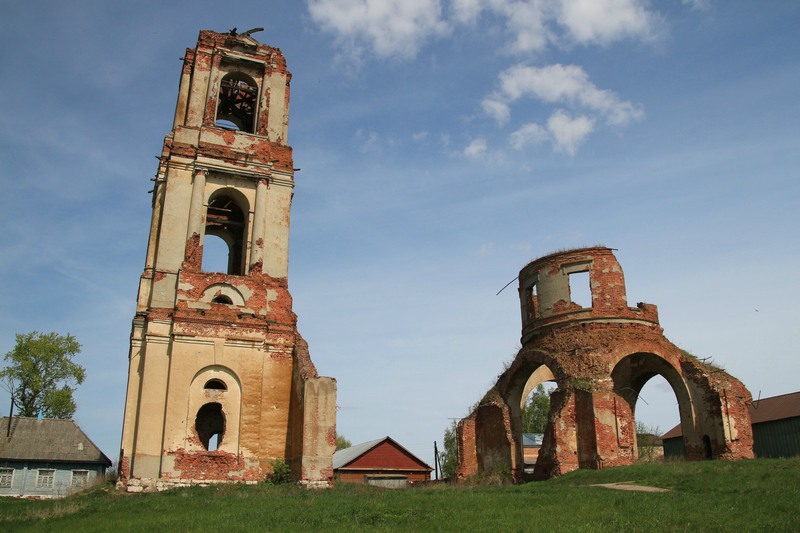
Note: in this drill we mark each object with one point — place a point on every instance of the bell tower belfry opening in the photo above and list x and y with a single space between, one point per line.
220 382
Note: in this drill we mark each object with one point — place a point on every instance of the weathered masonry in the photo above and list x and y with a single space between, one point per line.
600 355
220 382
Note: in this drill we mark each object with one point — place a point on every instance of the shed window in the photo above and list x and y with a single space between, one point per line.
236 108
6 477
45 478
80 478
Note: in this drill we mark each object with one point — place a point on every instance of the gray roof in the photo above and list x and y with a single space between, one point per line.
47 440
342 457
761 410
532 439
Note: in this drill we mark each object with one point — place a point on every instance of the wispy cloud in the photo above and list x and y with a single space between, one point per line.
606 21
527 135
476 149
560 85
386 28
400 28
568 132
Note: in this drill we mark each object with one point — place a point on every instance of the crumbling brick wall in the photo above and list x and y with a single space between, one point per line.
600 357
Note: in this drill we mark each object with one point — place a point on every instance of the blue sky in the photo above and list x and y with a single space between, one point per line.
443 145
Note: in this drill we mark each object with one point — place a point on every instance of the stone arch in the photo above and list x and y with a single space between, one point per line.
214 293
237 102
214 409
629 375
500 446
600 356
227 214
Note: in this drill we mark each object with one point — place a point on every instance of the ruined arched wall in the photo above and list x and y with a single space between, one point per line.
600 357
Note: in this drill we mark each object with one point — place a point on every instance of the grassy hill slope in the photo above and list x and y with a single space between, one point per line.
757 495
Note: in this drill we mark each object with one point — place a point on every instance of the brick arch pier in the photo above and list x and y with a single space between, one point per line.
600 354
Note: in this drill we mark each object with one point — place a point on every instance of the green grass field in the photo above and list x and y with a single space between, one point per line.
758 495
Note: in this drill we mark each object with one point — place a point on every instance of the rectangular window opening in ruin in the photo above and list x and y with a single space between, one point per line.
580 289
533 302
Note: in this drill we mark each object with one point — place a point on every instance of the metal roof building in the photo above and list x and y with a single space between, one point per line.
382 462
776 428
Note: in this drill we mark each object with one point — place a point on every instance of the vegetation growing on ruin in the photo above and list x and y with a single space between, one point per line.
703 361
754 495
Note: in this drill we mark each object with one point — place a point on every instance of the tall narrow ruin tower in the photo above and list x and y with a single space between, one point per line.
220 382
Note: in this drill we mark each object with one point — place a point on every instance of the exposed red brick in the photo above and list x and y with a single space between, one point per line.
601 357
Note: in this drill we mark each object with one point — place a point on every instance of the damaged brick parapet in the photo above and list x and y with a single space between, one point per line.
600 357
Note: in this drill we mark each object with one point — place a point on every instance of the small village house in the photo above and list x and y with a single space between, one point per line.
47 458
382 462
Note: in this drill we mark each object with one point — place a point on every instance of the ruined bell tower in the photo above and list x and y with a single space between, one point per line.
220 382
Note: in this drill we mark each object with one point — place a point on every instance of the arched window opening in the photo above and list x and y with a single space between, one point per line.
656 411
533 413
224 219
210 425
708 452
236 109
222 299
215 254
215 384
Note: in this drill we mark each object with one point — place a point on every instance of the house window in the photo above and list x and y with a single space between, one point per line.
6 476
238 95
80 478
45 478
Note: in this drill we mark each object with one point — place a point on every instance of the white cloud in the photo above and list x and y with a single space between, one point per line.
526 21
476 149
388 27
527 135
559 84
496 109
568 132
420 136
605 21
401 27
466 11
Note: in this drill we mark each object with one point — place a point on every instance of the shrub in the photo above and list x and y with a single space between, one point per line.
280 473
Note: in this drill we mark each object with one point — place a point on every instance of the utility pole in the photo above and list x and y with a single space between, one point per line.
435 461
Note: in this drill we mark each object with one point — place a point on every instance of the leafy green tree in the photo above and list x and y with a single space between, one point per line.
649 442
536 410
342 443
40 374
448 456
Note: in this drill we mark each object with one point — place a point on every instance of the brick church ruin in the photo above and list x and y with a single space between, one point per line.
600 356
220 382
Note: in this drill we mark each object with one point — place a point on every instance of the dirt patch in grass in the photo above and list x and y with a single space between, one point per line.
628 485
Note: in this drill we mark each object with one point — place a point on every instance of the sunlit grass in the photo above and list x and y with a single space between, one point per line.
760 495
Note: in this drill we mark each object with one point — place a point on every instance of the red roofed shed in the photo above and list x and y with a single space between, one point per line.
381 462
